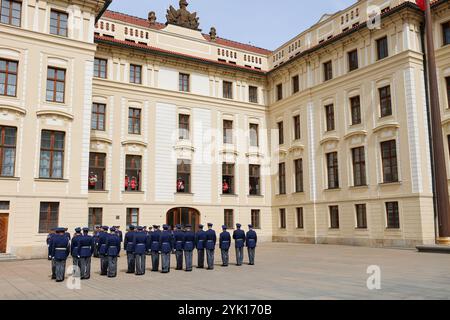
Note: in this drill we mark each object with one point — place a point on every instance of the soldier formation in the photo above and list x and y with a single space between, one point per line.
140 242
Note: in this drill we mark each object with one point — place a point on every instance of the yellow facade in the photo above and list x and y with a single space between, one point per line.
261 93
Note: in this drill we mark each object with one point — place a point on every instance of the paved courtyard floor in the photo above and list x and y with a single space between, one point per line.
282 271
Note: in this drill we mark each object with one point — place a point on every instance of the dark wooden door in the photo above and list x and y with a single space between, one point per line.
183 216
3 231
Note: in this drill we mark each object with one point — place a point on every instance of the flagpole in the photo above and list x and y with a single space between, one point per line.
441 182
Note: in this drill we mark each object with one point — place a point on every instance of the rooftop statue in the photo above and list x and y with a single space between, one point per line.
182 17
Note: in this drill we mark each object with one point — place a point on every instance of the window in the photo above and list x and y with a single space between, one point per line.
333 170
295 84
228 217
11 12
355 107
133 173
361 216
282 218
100 67
297 128
52 155
228 178
279 92
254 179
353 60
228 90
184 82
98 116
227 132
58 23
446 33
254 135
385 101
392 215
298 165
135 74
184 176
183 127
253 94
329 114
134 121
56 82
132 216
389 159
300 224
7 151
8 78
280 133
382 48
282 178
4 205
359 167
447 80
334 217
97 167
95 218
328 71
48 216
255 219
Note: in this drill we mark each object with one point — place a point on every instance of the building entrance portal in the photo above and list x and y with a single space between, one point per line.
183 216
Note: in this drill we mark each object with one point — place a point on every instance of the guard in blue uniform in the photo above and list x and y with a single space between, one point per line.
239 241
224 245
250 241
128 246
85 251
166 245
178 236
120 235
189 244
112 250
102 251
60 250
66 233
155 247
211 240
74 248
50 237
140 249
200 242
96 234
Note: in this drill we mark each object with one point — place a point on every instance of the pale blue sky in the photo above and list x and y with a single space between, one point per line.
263 23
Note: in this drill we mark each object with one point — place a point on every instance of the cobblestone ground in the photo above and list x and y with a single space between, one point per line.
282 271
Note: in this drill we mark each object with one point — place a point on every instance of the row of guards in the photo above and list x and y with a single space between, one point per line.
138 243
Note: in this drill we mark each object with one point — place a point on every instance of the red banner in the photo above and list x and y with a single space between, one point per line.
421 4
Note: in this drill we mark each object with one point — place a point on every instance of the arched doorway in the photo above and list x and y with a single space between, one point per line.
183 216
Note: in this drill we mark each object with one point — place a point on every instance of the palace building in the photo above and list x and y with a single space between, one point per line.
111 119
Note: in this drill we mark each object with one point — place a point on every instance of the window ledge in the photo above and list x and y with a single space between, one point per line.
366 186
184 193
10 178
383 184
51 180
255 196
299 193
332 189
133 192
392 230
361 229
229 195
98 191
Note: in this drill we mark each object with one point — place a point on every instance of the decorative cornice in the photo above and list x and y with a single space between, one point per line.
51 112
391 125
16 109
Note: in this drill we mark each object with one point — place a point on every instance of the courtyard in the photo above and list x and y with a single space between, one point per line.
282 271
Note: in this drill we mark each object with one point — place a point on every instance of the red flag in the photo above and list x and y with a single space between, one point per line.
421 4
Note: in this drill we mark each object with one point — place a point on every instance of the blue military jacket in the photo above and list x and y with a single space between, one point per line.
239 237
128 244
225 240
60 247
251 239
113 245
189 241
102 243
74 245
211 239
85 246
200 240
49 242
165 241
120 235
154 241
140 242
178 237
